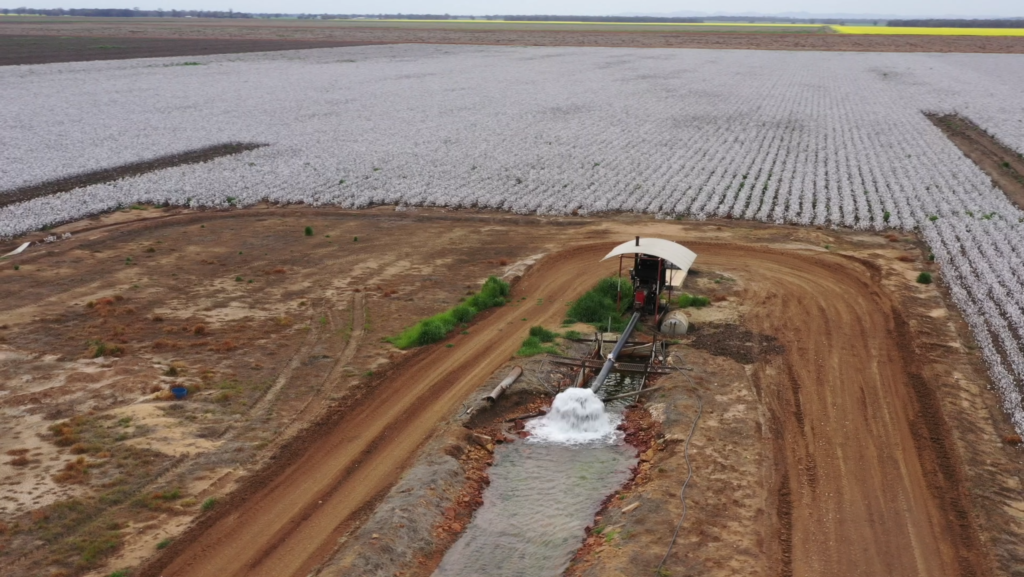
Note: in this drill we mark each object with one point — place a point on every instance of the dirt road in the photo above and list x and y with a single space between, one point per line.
866 484
293 523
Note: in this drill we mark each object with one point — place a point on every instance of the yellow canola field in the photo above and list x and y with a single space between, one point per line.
929 31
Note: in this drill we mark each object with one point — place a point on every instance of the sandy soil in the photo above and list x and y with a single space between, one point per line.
220 30
864 409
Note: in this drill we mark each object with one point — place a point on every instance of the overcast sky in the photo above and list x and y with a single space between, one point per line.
584 7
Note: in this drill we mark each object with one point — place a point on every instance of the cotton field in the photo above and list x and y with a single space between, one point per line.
828 139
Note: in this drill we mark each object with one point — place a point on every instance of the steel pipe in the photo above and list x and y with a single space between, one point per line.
598 381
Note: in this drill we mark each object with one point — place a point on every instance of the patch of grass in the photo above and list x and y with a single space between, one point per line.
533 346
163 544
687 300
437 327
208 504
572 335
543 335
93 549
309 231
597 305
119 573
925 278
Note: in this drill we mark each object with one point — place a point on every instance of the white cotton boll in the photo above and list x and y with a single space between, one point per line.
826 145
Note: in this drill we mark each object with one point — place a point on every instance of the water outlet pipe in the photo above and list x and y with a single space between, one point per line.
504 385
598 381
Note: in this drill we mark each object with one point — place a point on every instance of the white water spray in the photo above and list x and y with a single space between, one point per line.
577 416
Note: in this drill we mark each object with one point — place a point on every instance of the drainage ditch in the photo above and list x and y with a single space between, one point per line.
546 489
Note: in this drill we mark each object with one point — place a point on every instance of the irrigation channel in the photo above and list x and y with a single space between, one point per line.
545 490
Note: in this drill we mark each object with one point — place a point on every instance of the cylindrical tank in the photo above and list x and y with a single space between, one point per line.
675 324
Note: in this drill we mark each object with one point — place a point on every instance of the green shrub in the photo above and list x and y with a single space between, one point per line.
542 334
534 346
437 327
431 331
163 544
463 313
208 504
597 305
687 300
572 335
925 278
309 231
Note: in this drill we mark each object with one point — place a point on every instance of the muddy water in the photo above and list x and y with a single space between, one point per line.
540 499
542 495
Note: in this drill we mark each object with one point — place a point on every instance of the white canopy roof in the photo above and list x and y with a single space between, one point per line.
673 252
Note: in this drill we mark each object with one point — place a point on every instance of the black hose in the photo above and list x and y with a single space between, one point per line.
689 468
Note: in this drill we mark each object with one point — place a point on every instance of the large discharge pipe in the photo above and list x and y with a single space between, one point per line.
608 364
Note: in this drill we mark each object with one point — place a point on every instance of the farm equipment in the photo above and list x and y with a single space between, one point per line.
657 264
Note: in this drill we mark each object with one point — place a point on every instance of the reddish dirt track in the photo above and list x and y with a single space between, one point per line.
866 484
861 447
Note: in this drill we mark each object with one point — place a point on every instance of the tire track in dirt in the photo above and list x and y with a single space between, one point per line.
868 480
886 499
287 527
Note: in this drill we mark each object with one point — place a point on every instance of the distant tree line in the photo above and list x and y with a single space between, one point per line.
942 23
624 19
124 12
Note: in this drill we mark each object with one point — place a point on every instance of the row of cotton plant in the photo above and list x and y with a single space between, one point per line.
982 265
824 139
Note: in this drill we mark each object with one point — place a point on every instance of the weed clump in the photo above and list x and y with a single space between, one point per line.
208 504
687 300
437 327
543 335
309 231
536 343
925 278
598 305
533 346
102 349
74 473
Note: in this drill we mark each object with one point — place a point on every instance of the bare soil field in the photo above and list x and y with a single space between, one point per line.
44 49
1000 162
852 433
151 36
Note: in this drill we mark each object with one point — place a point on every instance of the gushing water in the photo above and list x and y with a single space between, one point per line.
544 492
577 415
